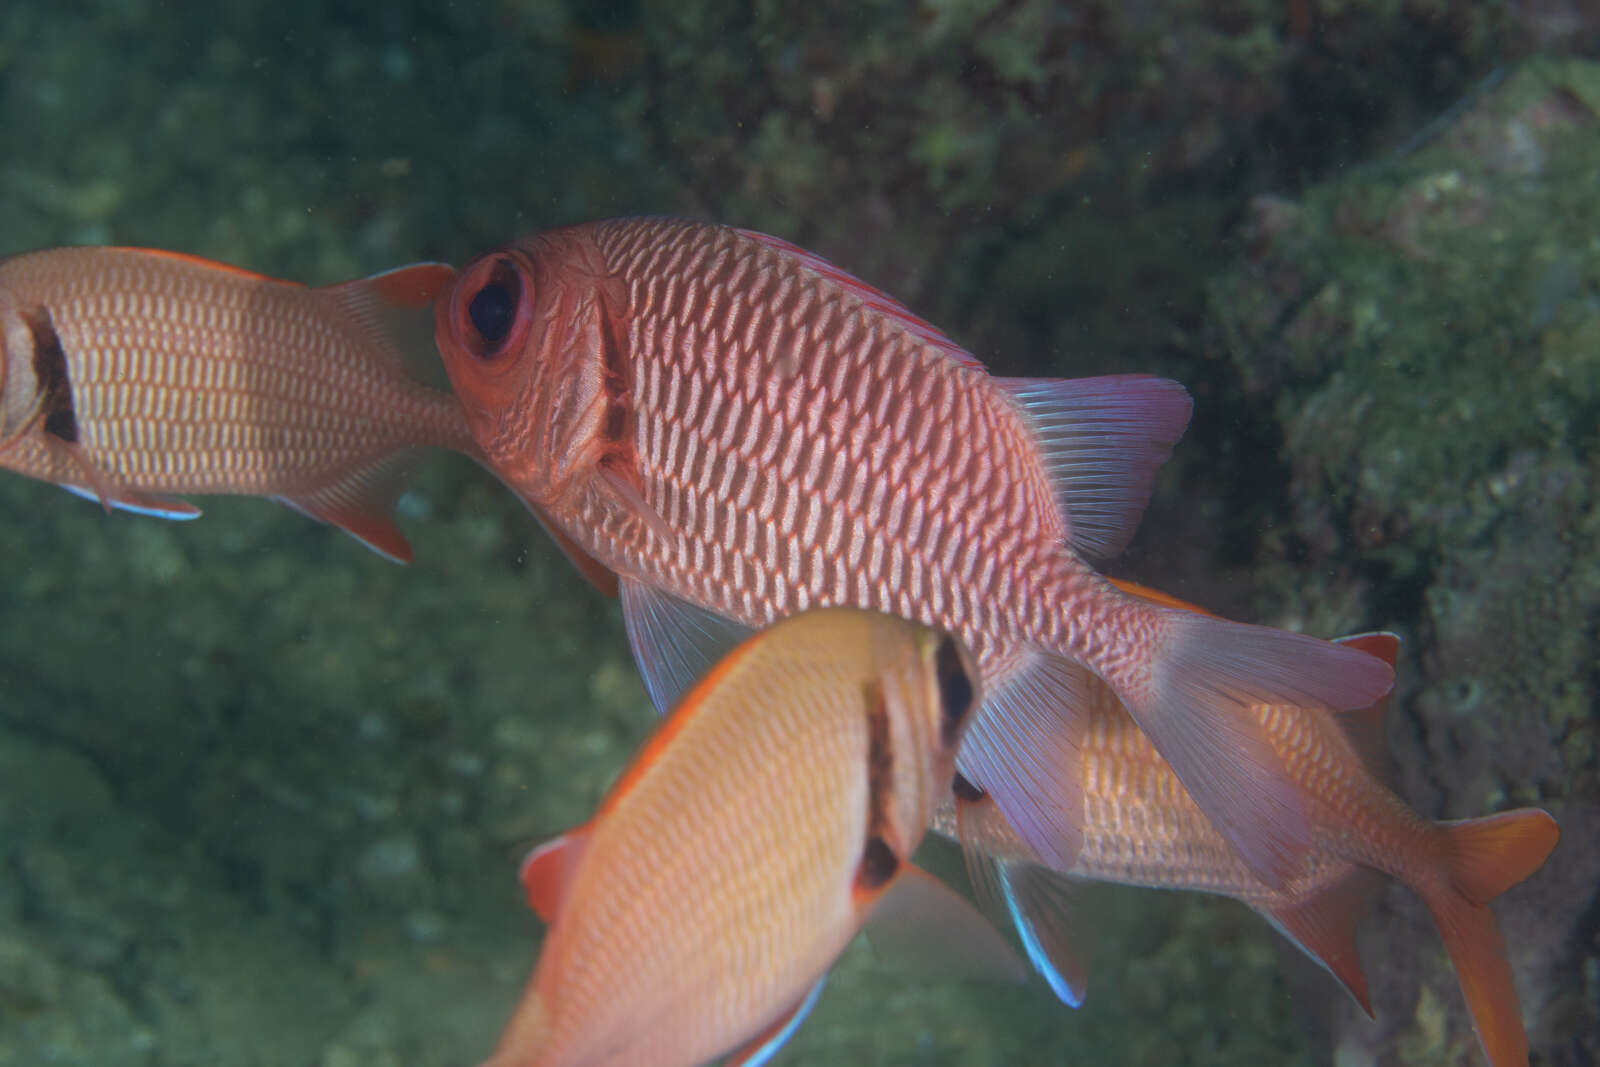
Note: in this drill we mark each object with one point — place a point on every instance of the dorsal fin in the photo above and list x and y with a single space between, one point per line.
393 311
1364 727
1156 596
1103 441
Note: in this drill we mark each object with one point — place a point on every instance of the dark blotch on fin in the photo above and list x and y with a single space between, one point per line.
955 690
493 309
964 790
878 865
50 371
616 380
880 761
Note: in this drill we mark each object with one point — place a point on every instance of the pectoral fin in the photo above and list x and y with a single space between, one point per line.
920 921
674 642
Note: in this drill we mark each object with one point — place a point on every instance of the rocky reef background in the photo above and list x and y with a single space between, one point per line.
262 794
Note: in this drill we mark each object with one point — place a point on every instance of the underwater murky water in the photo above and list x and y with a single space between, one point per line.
263 794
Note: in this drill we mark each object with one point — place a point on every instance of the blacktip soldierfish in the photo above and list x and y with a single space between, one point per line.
129 374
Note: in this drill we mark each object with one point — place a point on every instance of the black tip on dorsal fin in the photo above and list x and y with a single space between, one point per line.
880 759
956 690
878 865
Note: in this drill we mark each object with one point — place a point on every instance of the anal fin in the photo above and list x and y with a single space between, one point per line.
1324 927
1199 704
362 505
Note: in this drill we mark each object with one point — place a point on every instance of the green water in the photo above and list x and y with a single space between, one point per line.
263 794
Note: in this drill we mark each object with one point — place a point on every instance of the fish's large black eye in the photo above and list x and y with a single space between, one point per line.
490 311
956 690
493 311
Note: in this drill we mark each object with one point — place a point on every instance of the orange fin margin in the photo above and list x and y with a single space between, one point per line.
1324 927
361 504
1484 858
547 869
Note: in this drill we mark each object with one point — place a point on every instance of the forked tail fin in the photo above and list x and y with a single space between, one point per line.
1483 858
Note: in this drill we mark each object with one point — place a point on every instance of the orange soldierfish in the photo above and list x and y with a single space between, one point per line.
730 429
769 816
1141 828
127 374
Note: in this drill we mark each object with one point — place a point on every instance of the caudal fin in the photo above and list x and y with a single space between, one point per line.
1483 858
1200 706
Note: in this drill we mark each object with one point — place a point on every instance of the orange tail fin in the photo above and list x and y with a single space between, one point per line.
1484 858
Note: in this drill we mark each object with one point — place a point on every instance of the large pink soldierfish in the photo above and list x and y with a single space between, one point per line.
730 430
769 817
130 374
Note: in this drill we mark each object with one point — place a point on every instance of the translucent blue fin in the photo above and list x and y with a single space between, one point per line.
1104 439
674 642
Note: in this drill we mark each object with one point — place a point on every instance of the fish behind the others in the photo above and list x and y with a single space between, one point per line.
730 429
127 375
1141 827
768 817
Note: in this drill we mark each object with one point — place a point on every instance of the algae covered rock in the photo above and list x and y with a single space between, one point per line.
1428 332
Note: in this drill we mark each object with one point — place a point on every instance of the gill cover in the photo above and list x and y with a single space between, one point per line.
19 386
